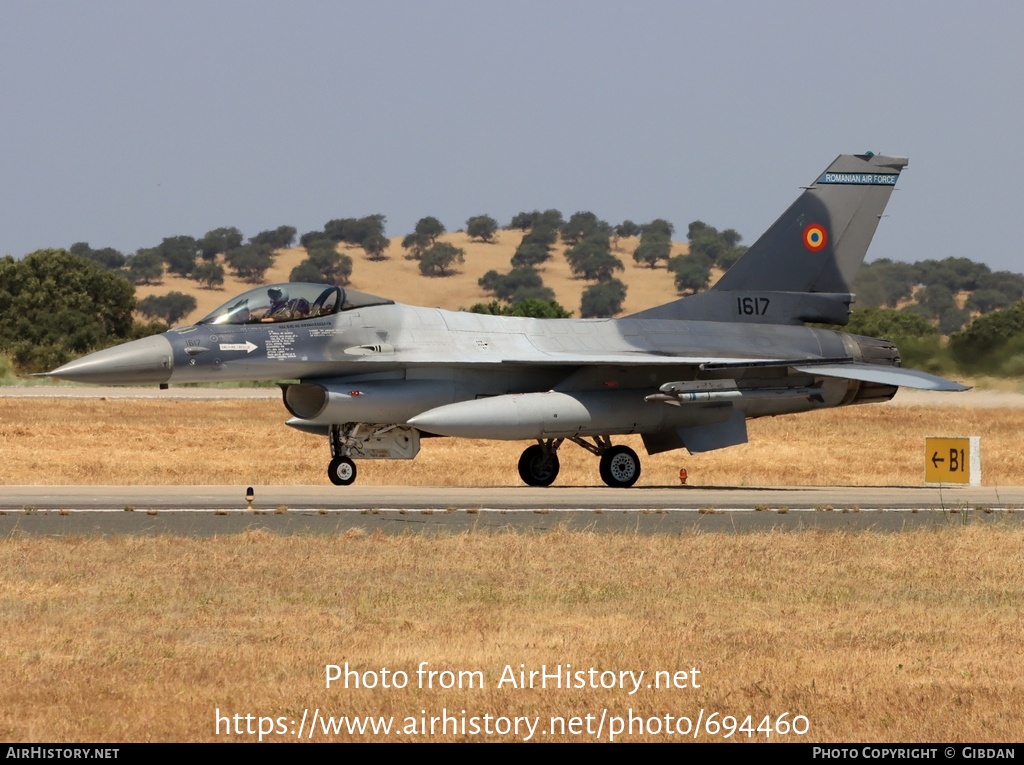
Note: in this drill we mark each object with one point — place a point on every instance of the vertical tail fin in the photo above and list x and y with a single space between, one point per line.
819 243
803 267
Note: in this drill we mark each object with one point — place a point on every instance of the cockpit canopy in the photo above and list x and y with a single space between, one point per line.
290 302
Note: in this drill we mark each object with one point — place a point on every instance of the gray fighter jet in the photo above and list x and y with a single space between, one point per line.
374 375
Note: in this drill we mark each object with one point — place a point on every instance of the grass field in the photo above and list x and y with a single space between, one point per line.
133 441
869 637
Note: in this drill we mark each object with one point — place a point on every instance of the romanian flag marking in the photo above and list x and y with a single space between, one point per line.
815 237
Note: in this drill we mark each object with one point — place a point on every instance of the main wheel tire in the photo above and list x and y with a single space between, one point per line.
341 471
537 468
620 467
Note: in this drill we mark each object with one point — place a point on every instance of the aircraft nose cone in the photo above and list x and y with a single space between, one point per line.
148 360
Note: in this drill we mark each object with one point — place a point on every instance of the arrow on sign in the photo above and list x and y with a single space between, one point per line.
247 346
936 459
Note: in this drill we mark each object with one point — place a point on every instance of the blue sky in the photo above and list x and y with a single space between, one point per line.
125 122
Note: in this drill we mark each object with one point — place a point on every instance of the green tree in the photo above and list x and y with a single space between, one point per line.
179 253
535 247
517 285
107 257
889 324
987 300
145 267
599 265
542 234
524 220
219 240
658 227
627 228
276 239
309 237
430 228
708 245
653 248
1011 285
305 272
716 247
591 258
550 217
250 261
884 283
603 299
956 274
374 246
937 298
141 329
171 307
529 308
355 231
694 229
482 228
581 224
530 254
953 320
210 274
324 264
692 274
341 230
990 341
56 306
440 258
416 245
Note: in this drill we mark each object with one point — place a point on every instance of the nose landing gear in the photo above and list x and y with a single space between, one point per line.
341 471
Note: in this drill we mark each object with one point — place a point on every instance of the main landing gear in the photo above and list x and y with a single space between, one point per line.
539 465
619 466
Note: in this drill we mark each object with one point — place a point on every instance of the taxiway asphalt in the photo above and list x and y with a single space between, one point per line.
209 510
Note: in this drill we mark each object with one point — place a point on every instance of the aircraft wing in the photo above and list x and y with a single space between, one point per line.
843 368
848 369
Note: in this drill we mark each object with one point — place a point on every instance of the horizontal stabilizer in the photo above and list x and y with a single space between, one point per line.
874 373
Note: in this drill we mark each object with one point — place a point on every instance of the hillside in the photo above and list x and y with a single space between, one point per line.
399 279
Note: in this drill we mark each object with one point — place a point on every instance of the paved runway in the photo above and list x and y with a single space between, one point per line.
206 510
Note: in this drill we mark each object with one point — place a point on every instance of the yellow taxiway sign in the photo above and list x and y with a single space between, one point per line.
952 460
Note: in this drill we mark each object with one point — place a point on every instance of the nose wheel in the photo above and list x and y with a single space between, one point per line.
341 471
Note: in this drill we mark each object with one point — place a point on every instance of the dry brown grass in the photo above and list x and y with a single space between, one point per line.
873 637
399 279
126 441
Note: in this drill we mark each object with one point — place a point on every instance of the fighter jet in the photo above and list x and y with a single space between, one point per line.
375 376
